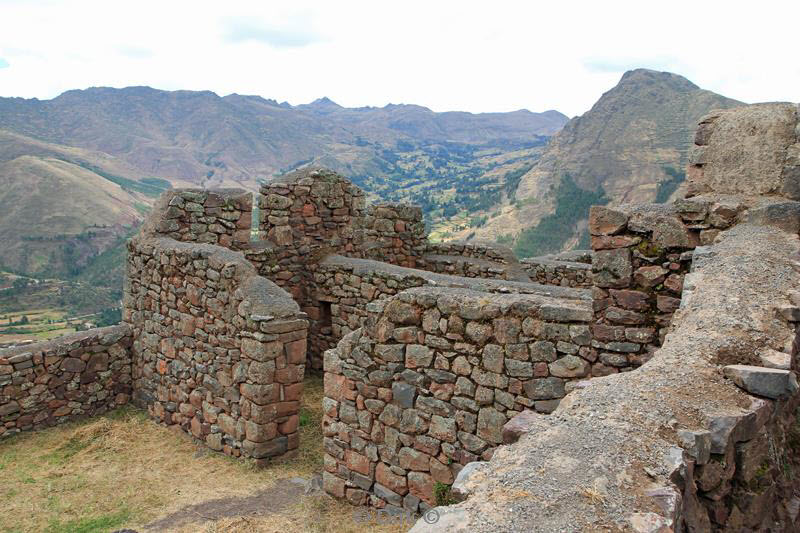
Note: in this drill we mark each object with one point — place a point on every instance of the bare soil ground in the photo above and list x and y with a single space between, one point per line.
123 471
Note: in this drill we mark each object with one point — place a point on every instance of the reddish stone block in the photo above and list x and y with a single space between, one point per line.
421 486
390 480
674 283
608 242
293 392
649 276
334 386
287 408
667 304
260 432
540 369
290 374
293 441
197 427
290 425
357 462
629 299
296 352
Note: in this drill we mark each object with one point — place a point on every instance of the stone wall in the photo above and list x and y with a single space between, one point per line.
394 233
473 260
474 250
307 215
70 378
641 255
563 273
345 287
219 351
697 439
427 385
219 216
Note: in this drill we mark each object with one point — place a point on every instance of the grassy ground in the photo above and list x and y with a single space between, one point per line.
123 470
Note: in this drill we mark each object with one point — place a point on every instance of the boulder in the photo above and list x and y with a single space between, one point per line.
519 425
761 381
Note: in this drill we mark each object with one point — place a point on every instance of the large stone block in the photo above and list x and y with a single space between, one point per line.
612 268
745 150
761 381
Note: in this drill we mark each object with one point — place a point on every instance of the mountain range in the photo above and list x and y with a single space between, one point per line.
107 153
80 171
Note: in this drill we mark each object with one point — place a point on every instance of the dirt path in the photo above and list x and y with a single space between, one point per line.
273 499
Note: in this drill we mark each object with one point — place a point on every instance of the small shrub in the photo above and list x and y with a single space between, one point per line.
442 494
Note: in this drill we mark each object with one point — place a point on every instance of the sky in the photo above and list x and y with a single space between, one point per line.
468 56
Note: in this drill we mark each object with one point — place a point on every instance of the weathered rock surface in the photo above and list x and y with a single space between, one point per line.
761 381
603 444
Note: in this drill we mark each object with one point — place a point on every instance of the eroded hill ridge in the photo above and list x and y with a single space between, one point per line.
651 390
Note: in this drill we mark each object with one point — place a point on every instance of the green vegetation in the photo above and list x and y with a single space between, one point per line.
443 495
109 317
572 206
506 239
446 179
149 186
666 188
98 524
511 179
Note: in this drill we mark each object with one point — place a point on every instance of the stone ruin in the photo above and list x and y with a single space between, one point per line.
646 385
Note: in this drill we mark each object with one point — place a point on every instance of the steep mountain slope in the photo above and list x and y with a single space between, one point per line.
57 216
630 147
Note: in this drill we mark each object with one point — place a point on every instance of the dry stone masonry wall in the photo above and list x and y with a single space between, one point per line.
394 233
562 273
427 385
473 260
221 216
219 351
67 379
641 256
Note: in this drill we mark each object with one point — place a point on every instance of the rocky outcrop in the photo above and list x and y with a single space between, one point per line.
750 151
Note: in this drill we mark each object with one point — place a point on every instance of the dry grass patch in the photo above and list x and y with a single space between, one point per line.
123 470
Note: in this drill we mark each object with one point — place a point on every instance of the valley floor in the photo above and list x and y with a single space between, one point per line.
125 471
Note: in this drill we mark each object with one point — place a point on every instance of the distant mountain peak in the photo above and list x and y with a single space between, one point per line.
324 102
648 76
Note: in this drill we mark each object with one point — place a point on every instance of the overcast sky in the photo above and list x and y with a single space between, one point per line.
470 56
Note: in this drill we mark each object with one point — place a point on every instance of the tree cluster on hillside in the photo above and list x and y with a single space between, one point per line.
555 229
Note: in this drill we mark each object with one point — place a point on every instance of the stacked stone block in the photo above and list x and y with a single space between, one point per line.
473 260
485 251
394 233
219 351
307 215
220 216
642 255
427 385
561 273
66 379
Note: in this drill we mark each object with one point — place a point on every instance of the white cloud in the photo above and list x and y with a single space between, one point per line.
447 55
